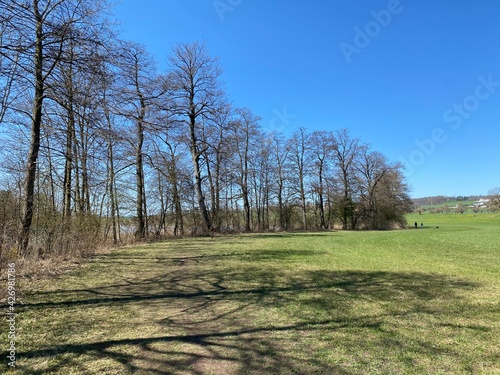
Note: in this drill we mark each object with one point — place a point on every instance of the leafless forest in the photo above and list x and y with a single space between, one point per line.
100 147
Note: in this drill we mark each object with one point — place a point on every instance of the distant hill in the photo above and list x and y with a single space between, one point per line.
441 199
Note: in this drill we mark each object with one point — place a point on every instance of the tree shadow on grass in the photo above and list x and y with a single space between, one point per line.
251 320
259 285
302 234
188 259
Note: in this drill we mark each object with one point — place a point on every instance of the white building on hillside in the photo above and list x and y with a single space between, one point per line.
481 203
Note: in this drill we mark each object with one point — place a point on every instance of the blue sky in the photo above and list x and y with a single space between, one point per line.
419 80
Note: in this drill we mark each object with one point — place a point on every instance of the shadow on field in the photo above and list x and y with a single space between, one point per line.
302 234
251 320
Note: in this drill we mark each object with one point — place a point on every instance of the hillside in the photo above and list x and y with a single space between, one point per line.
441 199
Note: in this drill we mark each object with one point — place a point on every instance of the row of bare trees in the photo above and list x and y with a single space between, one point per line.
98 145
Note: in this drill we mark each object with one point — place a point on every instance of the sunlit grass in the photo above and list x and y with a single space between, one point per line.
413 302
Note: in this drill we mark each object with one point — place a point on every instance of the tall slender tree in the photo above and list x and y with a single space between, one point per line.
299 146
141 90
281 155
320 148
345 151
195 90
245 131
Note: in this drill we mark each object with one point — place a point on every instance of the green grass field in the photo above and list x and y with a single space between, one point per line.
423 301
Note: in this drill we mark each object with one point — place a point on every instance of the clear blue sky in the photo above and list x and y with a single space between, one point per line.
417 79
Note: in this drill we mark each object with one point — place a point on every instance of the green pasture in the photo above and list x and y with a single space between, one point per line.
423 301
479 221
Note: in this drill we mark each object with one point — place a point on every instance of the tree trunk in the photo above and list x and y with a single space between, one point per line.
246 206
320 194
303 199
195 154
31 168
139 174
111 181
85 207
179 220
68 167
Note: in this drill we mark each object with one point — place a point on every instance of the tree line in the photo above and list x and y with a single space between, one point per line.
98 145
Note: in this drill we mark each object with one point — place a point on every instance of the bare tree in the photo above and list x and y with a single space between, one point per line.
245 130
261 175
195 90
460 209
140 92
321 149
75 88
217 154
281 156
345 151
371 167
168 150
9 68
392 198
111 138
34 36
299 148
494 203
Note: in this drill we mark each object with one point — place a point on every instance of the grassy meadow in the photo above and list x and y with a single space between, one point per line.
423 301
